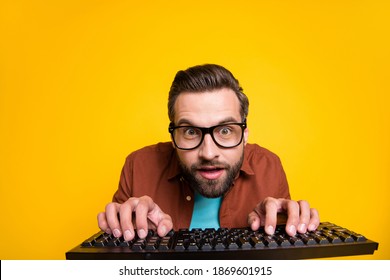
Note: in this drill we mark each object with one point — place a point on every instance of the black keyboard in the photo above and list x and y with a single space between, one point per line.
329 240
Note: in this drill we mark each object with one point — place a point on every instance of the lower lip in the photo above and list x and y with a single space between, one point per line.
211 174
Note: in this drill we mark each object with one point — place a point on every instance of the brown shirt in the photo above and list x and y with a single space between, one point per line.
155 171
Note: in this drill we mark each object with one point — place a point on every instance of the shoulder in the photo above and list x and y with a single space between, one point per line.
162 147
254 151
259 158
159 150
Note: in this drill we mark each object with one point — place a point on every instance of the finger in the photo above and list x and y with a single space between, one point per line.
126 218
158 220
304 216
292 209
254 220
144 206
112 210
165 224
102 223
268 209
314 220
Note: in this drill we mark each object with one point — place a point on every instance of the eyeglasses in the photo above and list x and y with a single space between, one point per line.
227 135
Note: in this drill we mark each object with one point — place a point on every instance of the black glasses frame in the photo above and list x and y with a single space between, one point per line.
206 130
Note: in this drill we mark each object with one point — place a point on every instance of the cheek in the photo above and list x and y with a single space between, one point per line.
187 157
233 157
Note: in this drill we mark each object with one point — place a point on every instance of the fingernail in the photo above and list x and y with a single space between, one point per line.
270 230
292 229
108 231
128 235
117 232
163 230
142 233
311 227
302 228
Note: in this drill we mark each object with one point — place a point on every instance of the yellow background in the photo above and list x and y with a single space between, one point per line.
84 83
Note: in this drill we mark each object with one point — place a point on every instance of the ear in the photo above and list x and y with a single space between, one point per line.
246 134
173 144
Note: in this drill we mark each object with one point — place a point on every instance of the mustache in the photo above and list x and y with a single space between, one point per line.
208 163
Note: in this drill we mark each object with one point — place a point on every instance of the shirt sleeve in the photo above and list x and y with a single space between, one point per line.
124 191
283 184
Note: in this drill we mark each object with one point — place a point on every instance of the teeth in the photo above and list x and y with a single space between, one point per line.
210 170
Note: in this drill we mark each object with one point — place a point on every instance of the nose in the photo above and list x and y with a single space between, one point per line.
208 150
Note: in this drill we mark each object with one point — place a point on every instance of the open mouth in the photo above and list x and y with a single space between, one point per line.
211 172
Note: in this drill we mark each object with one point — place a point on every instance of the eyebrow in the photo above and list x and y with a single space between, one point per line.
224 121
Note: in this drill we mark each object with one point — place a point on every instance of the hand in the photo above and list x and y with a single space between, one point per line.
148 215
300 217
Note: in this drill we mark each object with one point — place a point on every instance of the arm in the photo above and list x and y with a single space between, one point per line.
128 212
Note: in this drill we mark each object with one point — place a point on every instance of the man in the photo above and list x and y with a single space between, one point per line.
208 174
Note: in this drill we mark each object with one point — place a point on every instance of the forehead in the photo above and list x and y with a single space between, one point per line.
207 108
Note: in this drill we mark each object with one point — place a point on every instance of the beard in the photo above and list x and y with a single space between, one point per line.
211 188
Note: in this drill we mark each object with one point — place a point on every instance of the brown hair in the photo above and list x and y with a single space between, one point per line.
203 78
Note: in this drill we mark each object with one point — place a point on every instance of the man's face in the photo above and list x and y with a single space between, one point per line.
209 168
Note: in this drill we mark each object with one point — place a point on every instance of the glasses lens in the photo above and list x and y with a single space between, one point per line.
227 136
187 137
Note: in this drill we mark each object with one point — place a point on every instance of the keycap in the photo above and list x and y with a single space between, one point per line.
113 242
256 242
91 241
282 240
294 240
138 245
319 238
152 243
344 237
308 240
269 241
244 243
164 244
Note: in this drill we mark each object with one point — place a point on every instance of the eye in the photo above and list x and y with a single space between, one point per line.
191 132
225 131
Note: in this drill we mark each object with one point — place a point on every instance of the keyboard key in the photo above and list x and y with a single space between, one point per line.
334 239
164 244
308 240
256 242
231 243
138 245
152 243
218 245
358 237
269 241
320 239
294 240
113 242
192 246
179 246
282 240
91 241
244 243
101 241
125 243
344 237
205 245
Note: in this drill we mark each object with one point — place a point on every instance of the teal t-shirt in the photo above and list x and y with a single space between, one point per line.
206 212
